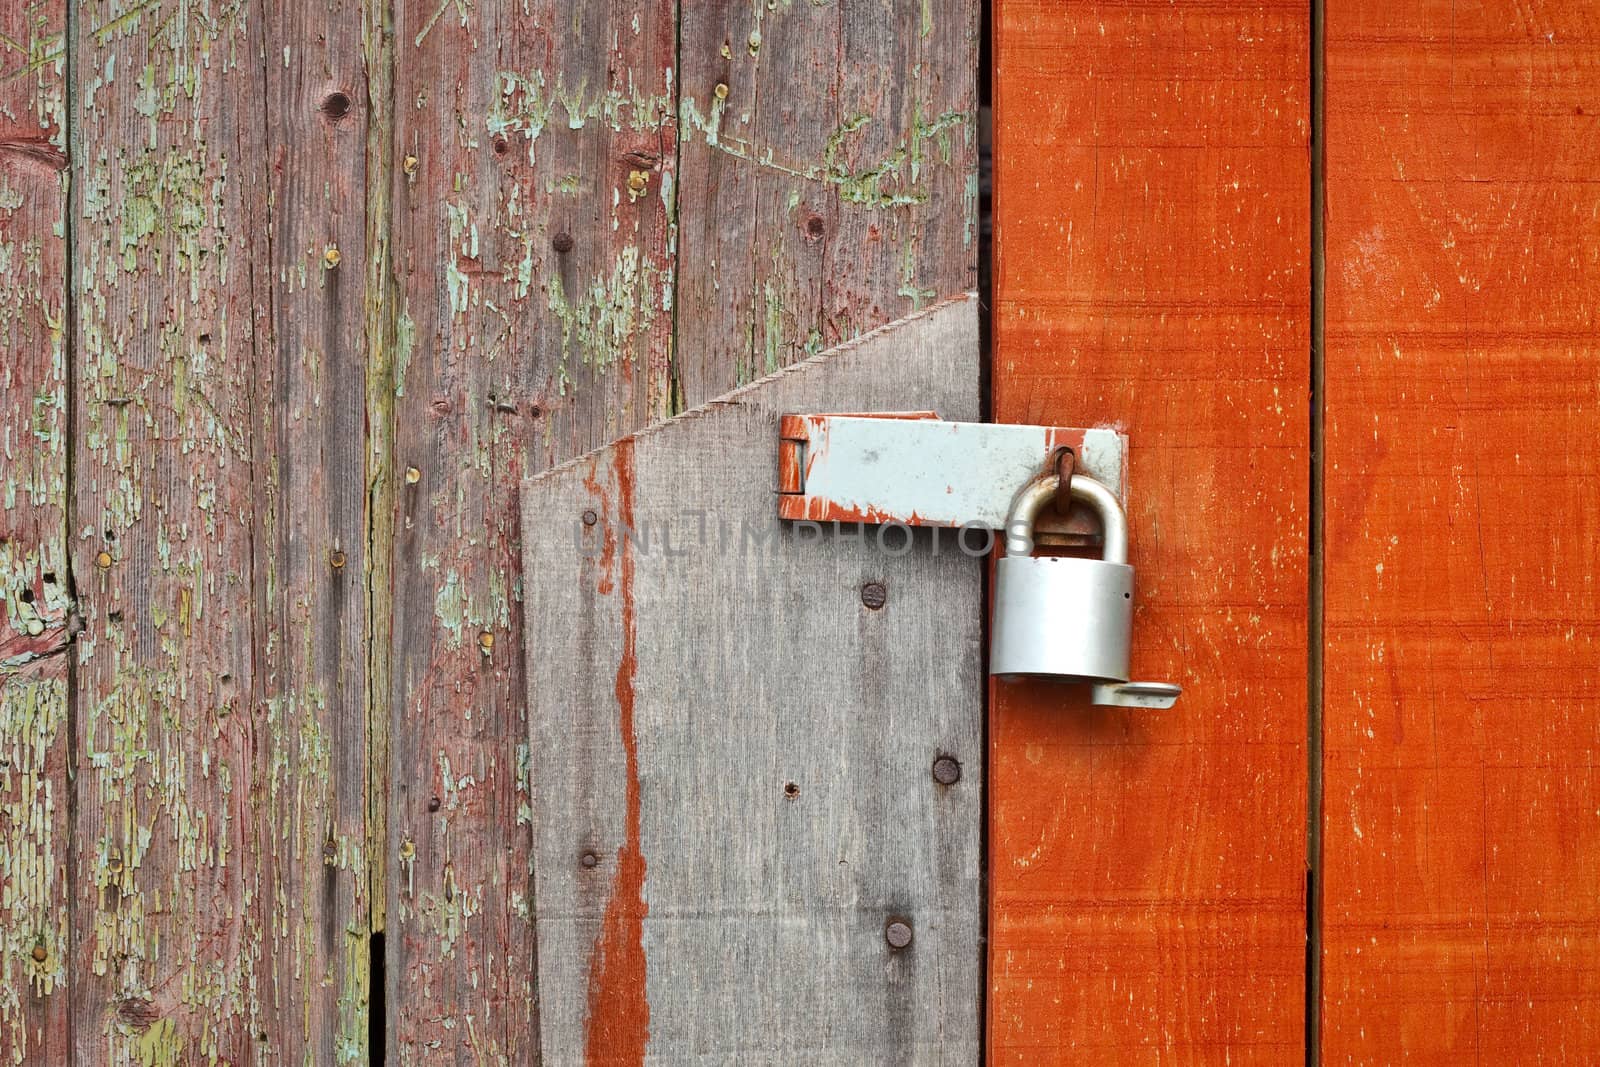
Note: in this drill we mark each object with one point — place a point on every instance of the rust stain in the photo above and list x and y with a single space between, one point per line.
608 532
619 1012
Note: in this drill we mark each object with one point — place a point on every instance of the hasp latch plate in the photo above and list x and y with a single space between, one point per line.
916 469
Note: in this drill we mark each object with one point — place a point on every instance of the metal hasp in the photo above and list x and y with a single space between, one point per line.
916 469
1059 617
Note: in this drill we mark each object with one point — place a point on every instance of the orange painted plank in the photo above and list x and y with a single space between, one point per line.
1152 221
1462 713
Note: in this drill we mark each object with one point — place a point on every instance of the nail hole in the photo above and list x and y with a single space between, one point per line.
49 577
205 338
1127 596
27 596
111 535
336 106
791 790
534 411
814 227
501 145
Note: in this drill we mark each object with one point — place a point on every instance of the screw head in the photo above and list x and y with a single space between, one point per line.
897 932
946 770
874 595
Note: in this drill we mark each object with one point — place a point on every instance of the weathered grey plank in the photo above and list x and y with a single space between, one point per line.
731 754
827 177
35 595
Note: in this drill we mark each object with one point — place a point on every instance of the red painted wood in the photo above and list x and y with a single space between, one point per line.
1152 248
1460 837
35 602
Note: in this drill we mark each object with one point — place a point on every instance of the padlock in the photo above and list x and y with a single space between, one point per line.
1068 618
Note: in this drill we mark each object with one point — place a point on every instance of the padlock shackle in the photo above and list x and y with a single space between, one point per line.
1032 498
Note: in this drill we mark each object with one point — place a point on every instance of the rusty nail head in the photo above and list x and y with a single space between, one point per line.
946 770
589 860
562 242
433 804
897 932
103 560
336 558
40 953
413 476
874 595
590 518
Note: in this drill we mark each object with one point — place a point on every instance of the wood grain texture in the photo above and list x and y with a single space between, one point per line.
1459 837
35 594
538 206
218 535
531 243
731 755
1151 243
827 180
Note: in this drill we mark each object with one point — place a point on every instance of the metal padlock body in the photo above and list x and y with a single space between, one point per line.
1063 617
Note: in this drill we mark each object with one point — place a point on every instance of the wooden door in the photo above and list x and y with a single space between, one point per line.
1391 629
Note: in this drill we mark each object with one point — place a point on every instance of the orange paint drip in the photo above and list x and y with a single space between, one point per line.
619 1012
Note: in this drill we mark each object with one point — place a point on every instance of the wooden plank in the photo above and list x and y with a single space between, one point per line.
1152 246
532 202
1459 840
828 179
217 536
35 592
731 753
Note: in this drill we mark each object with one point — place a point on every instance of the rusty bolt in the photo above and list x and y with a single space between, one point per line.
590 518
410 165
40 953
103 560
589 860
637 180
874 595
330 258
433 803
946 770
336 559
721 91
413 476
562 242
897 932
